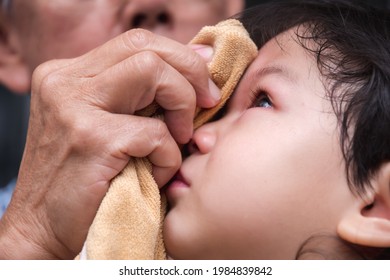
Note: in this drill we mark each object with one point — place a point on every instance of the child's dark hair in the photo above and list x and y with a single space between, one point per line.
352 50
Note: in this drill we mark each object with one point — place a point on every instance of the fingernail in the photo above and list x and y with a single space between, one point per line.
215 92
205 51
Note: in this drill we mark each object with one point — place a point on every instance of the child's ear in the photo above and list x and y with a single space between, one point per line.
369 223
14 73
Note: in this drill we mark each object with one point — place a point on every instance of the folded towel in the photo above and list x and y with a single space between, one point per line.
128 224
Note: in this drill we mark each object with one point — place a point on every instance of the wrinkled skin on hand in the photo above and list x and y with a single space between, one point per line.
83 130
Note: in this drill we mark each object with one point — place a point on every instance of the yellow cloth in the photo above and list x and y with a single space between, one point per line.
128 224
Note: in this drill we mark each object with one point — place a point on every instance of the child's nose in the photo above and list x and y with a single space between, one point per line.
203 140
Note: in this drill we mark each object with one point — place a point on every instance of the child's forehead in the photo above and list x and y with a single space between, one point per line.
284 55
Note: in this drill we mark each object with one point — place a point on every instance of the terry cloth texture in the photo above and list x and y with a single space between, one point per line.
128 224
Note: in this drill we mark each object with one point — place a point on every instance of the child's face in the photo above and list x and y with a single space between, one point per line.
269 174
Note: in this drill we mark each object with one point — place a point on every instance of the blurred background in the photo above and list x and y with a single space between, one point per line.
14 112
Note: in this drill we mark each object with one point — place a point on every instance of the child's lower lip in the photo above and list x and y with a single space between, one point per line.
175 190
177 184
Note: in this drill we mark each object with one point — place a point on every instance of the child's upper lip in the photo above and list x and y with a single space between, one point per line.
179 177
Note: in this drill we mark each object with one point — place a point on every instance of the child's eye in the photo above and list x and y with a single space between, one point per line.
262 100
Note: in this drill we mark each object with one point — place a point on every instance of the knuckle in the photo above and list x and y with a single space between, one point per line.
195 61
149 60
189 103
149 65
164 139
82 133
42 70
162 136
51 82
40 73
138 38
46 68
161 133
45 88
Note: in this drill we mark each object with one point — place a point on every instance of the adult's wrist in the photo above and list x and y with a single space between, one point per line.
18 244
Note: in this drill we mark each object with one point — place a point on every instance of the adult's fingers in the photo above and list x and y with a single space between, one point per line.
191 65
151 79
140 137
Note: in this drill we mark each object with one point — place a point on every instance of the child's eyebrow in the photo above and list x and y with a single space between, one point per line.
279 70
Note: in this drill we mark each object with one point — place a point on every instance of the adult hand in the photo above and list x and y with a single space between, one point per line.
83 130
